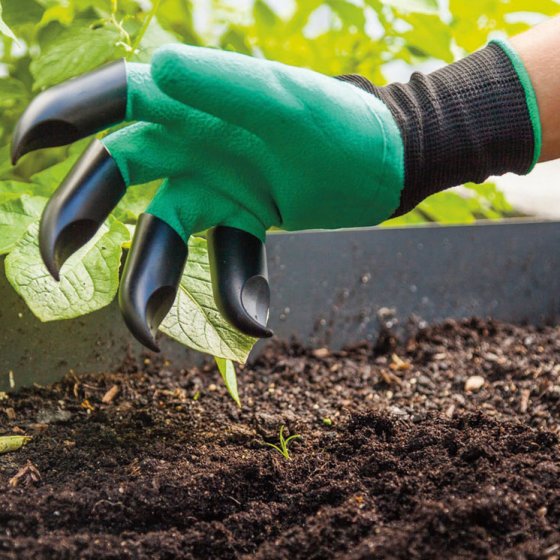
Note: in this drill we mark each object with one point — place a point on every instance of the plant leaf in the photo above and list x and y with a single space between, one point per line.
429 36
349 13
16 216
46 181
265 18
135 201
227 371
447 208
154 37
194 319
4 29
14 189
12 93
13 443
76 50
19 13
177 16
88 280
425 6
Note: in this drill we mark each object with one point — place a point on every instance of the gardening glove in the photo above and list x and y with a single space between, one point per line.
246 144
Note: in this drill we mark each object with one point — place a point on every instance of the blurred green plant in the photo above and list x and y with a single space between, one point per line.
44 42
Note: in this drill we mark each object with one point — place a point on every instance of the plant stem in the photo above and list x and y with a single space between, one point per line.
145 24
119 26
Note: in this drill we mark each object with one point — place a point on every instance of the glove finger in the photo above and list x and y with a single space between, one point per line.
96 184
145 152
151 277
90 191
93 102
191 205
236 249
146 102
236 88
72 110
240 279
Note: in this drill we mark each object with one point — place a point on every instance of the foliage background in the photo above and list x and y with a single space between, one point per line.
47 41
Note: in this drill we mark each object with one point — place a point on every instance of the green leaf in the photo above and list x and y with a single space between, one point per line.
64 14
349 13
12 93
227 371
4 29
17 13
88 280
154 37
492 195
425 6
5 161
234 40
135 201
301 16
545 7
429 36
46 181
15 218
75 50
177 16
194 319
13 443
14 189
447 208
265 18
414 217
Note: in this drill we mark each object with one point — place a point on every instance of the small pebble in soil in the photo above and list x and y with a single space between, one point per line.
474 383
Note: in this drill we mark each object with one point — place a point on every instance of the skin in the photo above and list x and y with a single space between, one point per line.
538 49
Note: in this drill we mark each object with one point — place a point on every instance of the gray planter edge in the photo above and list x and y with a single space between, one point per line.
328 289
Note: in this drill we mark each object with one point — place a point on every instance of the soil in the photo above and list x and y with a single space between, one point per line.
444 445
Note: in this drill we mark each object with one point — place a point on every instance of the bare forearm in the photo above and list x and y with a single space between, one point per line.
539 48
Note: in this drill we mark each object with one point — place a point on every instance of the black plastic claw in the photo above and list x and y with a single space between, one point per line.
240 279
79 206
151 277
72 110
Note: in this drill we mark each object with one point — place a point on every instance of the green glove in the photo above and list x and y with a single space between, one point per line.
249 144
253 144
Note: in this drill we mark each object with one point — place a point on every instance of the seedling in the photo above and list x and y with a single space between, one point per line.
284 443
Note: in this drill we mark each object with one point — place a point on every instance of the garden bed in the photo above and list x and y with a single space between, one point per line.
442 445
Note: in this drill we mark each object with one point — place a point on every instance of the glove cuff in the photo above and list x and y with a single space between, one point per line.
463 123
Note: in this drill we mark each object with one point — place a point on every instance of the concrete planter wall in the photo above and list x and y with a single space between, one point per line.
327 290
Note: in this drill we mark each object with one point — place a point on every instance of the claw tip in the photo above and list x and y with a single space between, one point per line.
255 299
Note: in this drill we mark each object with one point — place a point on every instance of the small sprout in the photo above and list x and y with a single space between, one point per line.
196 396
12 443
327 421
284 443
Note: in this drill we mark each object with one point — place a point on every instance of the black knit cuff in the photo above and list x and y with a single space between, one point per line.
459 124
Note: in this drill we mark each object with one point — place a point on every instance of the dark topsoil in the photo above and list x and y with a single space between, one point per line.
413 466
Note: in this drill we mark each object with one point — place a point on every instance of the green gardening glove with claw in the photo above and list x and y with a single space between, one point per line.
244 144
253 144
